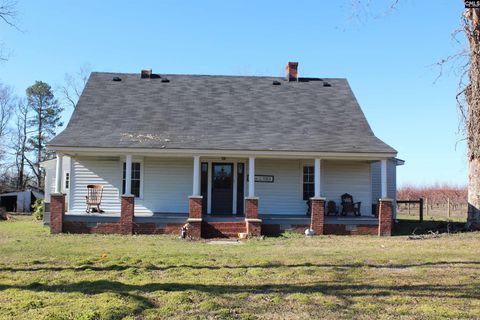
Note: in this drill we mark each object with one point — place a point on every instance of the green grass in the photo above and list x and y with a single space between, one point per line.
150 277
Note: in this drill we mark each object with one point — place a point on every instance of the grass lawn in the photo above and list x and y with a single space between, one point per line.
150 277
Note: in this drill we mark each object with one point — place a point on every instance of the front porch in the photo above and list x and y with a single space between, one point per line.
224 201
215 227
168 223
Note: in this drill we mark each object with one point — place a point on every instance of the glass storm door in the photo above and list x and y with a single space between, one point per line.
222 188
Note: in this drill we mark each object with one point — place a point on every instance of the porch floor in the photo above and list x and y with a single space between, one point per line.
182 218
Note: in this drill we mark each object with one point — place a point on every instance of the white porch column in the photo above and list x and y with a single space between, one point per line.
251 177
196 176
59 173
317 175
128 175
383 178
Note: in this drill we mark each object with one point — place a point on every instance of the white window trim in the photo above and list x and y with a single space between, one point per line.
235 163
303 165
142 177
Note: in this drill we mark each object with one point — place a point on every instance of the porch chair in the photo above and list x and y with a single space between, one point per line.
94 197
332 208
348 206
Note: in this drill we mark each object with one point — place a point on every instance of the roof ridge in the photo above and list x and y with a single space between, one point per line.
210 75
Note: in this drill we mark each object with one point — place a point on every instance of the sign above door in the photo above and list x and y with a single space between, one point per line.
263 178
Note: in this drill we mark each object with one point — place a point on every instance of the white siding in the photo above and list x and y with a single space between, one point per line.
167 185
285 195
49 180
353 177
50 176
391 182
104 171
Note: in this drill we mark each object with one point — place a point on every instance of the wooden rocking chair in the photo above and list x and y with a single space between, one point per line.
348 206
332 208
94 197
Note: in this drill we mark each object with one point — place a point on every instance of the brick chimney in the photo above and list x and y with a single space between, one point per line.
292 71
146 73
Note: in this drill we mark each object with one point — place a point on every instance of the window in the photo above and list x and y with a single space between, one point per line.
67 180
135 179
308 182
204 185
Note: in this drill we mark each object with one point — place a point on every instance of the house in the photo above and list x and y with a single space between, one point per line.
225 154
20 201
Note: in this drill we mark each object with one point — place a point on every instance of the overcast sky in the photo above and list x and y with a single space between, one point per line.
386 56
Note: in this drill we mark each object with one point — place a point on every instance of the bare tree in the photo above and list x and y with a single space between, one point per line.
7 102
19 145
467 65
471 22
8 14
74 85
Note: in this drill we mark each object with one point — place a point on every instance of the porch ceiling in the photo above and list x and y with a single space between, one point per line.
218 154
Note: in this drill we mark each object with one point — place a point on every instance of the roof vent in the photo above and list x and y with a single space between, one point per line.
155 76
117 79
146 74
326 84
165 80
276 83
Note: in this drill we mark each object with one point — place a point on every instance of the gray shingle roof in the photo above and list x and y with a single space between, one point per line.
219 112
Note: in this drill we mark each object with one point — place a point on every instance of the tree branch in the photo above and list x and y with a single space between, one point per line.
8 12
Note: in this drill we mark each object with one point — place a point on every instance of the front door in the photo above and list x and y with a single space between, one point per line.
222 188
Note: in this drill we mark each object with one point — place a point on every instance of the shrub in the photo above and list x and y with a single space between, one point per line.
38 209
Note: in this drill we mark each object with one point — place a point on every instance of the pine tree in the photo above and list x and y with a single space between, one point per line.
47 118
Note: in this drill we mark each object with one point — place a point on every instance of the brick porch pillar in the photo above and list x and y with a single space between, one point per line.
195 214
57 212
385 217
317 215
252 223
126 214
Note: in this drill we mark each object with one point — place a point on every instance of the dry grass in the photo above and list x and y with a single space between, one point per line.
440 200
291 277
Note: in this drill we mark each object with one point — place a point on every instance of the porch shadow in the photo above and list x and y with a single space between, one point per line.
121 267
340 290
408 227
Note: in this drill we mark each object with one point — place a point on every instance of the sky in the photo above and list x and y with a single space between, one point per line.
388 57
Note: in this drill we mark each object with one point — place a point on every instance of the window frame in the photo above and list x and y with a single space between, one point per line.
122 187
311 183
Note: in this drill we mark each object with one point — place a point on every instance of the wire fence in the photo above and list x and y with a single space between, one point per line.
445 209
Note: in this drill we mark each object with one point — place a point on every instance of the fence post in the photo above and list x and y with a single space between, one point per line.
426 206
421 209
448 208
